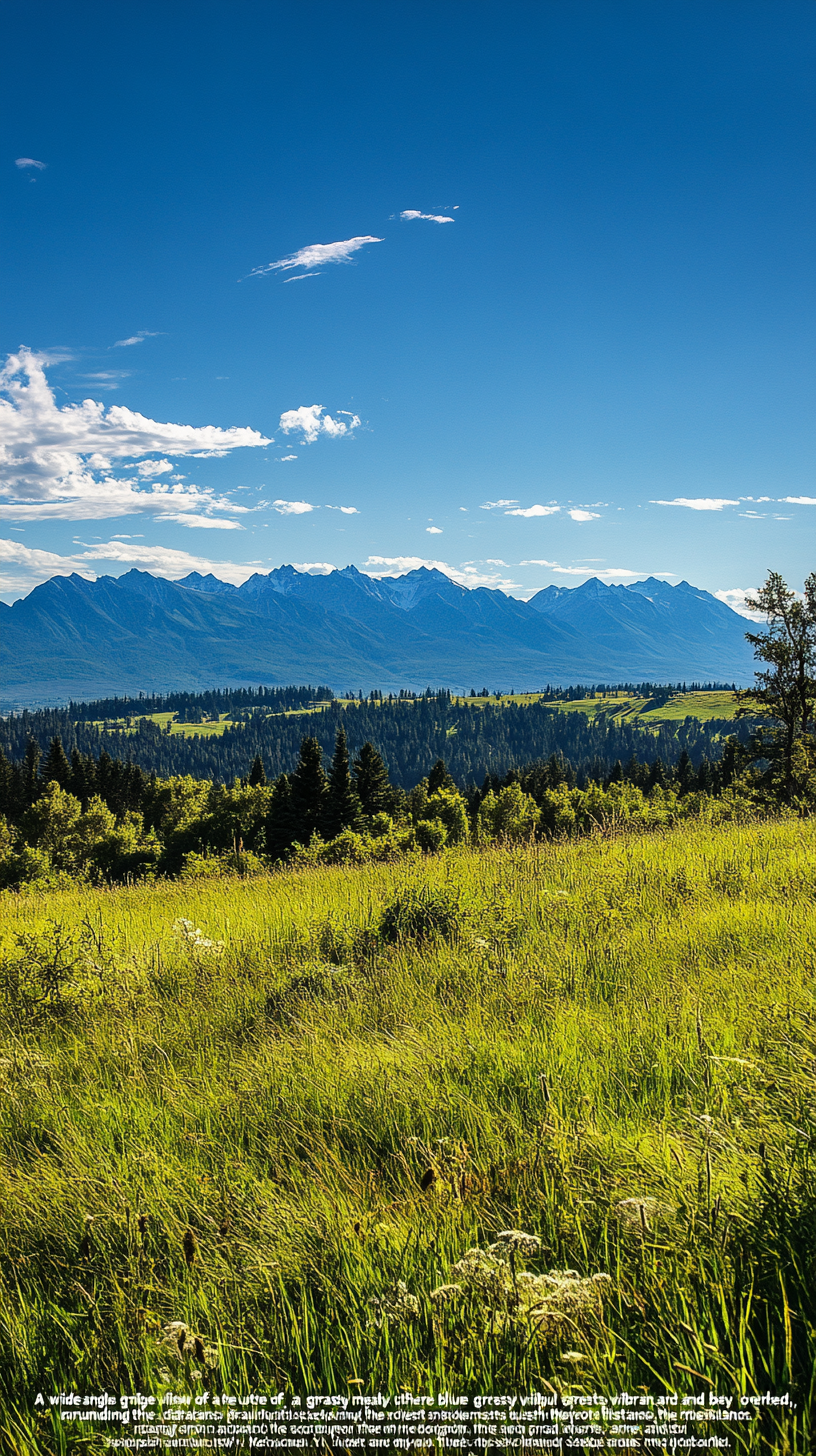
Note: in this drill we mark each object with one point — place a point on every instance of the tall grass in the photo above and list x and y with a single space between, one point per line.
383 1067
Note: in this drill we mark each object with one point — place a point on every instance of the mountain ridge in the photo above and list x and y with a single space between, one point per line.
71 637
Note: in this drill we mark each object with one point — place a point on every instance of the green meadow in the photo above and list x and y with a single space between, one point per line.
277 1113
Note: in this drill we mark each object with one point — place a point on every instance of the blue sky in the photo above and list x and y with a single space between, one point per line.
619 313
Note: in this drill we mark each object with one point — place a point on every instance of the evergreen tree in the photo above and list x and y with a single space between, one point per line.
706 777
257 774
685 776
280 821
10 786
342 808
439 778
616 776
372 783
55 766
657 776
31 764
309 788
786 687
82 783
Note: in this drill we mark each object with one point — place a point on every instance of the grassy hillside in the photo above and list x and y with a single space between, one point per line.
255 1107
704 706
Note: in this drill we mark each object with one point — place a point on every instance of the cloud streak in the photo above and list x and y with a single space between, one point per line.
309 421
425 216
137 338
535 511
57 463
699 503
314 256
23 567
22 162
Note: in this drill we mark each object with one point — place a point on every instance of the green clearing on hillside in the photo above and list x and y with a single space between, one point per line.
704 706
382 1068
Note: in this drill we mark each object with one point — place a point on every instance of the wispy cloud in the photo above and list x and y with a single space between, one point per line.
699 503
309 421
149 468
614 573
425 216
137 338
57 463
293 508
734 597
798 500
314 568
22 162
315 255
23 567
535 511
467 575
210 523
345 510
494 505
581 515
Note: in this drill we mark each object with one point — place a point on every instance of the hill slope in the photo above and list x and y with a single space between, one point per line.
75 638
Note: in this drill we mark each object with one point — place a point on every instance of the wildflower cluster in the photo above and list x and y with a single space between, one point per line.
497 1289
184 1344
396 1307
194 937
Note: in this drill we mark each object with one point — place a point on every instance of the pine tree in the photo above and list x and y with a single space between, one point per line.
309 788
342 808
439 778
31 764
684 774
280 821
257 774
55 766
373 785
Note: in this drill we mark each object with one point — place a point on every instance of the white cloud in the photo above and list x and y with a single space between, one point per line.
316 254
578 515
345 510
30 162
149 468
797 500
314 568
494 505
698 503
284 458
615 573
468 576
535 511
308 422
434 530
293 508
56 463
22 568
734 597
426 216
137 338
211 523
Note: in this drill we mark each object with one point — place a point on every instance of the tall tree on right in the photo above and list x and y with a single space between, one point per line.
786 687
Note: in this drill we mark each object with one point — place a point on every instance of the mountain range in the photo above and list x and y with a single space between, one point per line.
72 638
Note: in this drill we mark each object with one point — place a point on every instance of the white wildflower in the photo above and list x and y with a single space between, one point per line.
640 1217
195 937
395 1308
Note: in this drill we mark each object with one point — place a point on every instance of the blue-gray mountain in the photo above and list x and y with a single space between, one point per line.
71 638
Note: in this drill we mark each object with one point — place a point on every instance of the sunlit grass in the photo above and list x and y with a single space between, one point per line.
331 1107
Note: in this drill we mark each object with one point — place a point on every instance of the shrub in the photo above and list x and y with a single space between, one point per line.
421 914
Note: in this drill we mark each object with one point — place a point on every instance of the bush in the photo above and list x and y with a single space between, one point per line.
421 915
